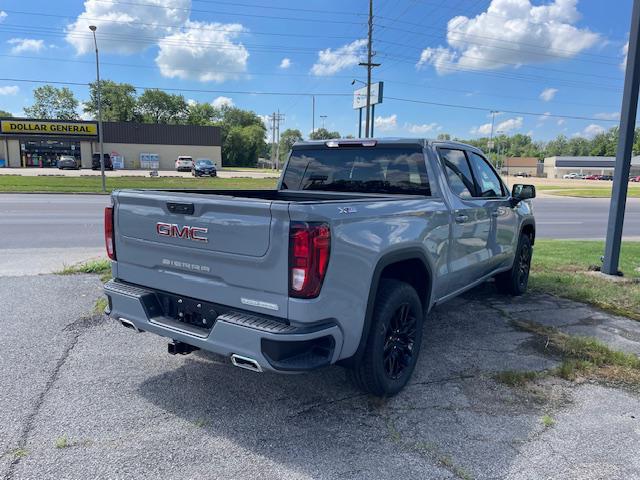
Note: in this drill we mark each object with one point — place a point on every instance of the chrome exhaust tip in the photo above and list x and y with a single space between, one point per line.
129 324
246 363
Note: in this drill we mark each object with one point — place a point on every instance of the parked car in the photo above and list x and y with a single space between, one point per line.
184 163
204 166
606 177
68 161
339 264
592 177
570 175
635 179
522 174
95 162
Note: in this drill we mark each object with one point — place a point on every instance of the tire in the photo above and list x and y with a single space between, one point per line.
516 280
383 374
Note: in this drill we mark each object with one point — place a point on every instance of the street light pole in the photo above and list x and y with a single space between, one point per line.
93 29
323 117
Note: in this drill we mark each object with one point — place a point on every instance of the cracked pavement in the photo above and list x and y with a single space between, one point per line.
129 410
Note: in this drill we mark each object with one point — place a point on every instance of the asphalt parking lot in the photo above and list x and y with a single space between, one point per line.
83 397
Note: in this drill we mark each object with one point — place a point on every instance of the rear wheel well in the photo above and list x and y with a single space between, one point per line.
414 272
530 231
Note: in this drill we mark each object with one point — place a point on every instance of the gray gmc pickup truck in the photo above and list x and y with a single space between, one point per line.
340 264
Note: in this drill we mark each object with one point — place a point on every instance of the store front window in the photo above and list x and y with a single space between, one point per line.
46 153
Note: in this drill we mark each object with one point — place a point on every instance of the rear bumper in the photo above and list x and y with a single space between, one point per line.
273 344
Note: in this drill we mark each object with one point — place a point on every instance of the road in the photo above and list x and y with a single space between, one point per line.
64 221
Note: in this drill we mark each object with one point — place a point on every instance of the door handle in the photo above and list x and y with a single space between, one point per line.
495 213
461 218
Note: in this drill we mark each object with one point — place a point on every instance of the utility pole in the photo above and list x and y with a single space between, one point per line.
493 120
275 120
323 118
313 114
279 119
625 147
369 66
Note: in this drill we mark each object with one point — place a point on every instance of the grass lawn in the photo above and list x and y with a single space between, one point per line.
588 191
11 183
560 267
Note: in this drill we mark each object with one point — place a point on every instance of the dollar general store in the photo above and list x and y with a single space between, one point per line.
28 143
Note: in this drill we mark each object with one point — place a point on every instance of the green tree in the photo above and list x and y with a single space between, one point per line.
157 106
243 134
202 114
323 134
4 113
52 102
287 139
444 136
119 102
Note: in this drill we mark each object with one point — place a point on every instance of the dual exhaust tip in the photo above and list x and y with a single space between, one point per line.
246 363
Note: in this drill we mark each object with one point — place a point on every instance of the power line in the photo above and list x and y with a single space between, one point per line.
325 94
304 75
514 112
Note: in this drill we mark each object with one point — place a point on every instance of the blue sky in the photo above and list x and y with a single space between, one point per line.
517 57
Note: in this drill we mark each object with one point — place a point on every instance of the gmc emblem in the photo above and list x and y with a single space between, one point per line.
186 232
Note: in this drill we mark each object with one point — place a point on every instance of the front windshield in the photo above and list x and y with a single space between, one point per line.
204 163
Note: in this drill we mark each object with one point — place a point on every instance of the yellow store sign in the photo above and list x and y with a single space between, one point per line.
32 127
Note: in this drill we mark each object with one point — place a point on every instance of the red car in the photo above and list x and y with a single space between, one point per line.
592 177
635 179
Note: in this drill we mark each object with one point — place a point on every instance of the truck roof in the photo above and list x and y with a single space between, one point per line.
388 141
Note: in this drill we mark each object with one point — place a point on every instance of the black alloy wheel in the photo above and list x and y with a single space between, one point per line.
399 342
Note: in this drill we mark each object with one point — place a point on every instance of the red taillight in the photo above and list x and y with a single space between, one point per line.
309 247
108 233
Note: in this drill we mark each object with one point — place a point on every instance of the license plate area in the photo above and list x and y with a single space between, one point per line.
188 311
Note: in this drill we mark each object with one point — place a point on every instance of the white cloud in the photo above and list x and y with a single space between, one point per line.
544 117
591 130
222 102
421 129
385 124
505 33
126 27
204 52
331 62
9 90
625 53
285 63
561 121
506 126
607 115
3 15
21 45
547 94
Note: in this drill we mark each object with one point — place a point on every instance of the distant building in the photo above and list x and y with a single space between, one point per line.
530 165
40 143
557 167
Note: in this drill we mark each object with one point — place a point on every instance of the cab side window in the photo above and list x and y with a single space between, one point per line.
458 172
489 184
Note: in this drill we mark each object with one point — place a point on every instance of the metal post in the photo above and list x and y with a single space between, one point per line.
373 118
493 119
93 28
313 113
360 123
369 66
625 147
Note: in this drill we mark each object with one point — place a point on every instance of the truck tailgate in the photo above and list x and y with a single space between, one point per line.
217 248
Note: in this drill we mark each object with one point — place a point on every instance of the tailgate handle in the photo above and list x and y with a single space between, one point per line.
183 208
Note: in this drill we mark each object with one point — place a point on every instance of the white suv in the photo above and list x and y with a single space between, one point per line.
184 163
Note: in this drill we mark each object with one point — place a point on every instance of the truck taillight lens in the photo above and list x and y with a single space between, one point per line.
109 239
309 247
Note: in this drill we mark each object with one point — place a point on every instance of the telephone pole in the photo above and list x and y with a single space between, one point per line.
369 66
275 119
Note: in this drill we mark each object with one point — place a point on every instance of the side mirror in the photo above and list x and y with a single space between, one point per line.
521 192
